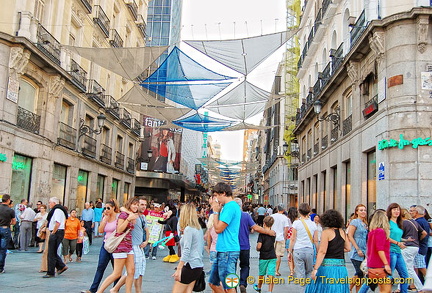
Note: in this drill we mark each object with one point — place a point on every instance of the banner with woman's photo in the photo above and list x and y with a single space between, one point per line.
161 148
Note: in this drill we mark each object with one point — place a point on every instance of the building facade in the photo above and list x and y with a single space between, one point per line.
52 141
363 126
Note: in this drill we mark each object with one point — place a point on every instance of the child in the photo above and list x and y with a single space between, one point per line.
267 257
79 246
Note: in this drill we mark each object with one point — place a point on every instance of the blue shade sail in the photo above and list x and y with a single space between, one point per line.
179 67
193 96
203 123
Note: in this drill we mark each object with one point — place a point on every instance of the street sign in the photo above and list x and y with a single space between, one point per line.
381 171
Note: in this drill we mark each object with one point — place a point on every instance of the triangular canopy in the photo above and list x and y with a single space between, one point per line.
126 62
243 125
242 102
203 123
137 95
166 113
243 55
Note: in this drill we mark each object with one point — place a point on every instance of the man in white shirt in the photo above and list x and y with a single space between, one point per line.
25 235
280 226
56 224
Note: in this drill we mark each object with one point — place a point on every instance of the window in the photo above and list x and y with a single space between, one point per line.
371 182
58 188
131 150
114 188
119 144
66 115
21 178
126 190
100 186
39 10
27 95
348 105
105 136
81 189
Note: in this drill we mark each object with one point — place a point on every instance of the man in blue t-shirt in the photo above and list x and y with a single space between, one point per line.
227 216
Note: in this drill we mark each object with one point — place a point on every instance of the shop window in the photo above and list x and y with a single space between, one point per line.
114 188
100 186
58 188
82 189
21 178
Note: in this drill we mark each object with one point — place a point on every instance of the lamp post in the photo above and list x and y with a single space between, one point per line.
84 129
145 162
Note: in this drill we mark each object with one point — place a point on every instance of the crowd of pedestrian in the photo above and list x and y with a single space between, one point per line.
390 241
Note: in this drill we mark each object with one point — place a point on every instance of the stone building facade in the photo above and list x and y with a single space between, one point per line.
367 66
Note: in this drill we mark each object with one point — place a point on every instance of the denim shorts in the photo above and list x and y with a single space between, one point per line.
224 265
213 256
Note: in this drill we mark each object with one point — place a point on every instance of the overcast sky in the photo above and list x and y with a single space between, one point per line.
231 19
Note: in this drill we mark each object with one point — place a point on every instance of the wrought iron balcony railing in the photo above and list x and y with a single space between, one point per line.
89 146
130 168
119 160
136 127
125 117
106 154
347 125
49 46
141 24
79 76
102 20
133 8
67 136
337 58
115 40
88 5
28 121
95 92
112 106
358 28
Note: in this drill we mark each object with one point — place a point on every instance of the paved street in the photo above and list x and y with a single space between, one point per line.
22 273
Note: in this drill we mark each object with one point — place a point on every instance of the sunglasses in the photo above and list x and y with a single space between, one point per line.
108 208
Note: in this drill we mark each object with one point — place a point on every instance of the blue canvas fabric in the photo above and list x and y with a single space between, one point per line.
203 123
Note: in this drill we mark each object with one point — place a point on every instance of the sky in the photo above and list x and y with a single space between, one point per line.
233 19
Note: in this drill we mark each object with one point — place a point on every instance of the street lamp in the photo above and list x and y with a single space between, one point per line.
84 129
332 117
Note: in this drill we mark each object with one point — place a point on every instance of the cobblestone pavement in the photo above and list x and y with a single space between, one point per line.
22 273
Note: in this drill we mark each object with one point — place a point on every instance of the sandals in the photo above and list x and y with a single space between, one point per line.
278 274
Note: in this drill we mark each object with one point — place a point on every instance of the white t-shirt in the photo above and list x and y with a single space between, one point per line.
280 222
269 211
58 216
303 240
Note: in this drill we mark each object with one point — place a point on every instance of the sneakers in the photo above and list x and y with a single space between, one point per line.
255 286
153 257
167 258
2 271
48 276
174 258
242 289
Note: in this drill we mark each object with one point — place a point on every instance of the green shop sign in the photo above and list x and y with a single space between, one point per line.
3 157
401 143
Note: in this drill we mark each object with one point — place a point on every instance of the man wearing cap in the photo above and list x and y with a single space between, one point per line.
280 226
7 218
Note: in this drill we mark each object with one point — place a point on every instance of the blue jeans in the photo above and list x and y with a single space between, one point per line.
5 236
104 258
397 262
225 264
147 250
244 266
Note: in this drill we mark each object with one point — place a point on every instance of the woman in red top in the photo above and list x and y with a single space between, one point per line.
123 255
378 251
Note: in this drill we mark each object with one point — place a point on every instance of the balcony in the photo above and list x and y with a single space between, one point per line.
106 154
316 149
119 160
89 146
79 76
358 28
337 58
130 168
95 93
133 8
28 121
112 106
125 117
334 135
136 127
102 20
49 46
324 142
115 40
347 125
141 24
88 5
67 136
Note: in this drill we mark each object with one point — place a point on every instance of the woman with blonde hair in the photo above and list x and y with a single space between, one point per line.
378 251
357 235
191 263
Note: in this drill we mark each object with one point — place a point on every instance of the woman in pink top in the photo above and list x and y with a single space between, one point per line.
123 255
107 226
378 251
211 238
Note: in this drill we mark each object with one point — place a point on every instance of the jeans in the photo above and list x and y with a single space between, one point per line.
408 255
147 250
104 258
89 230
356 263
303 262
5 236
225 264
54 260
244 266
397 262
16 234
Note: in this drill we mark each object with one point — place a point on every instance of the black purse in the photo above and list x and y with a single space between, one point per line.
200 284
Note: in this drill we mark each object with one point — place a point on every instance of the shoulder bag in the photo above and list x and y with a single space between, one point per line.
113 241
310 238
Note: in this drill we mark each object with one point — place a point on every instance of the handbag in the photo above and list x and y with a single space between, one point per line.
42 233
200 284
113 241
